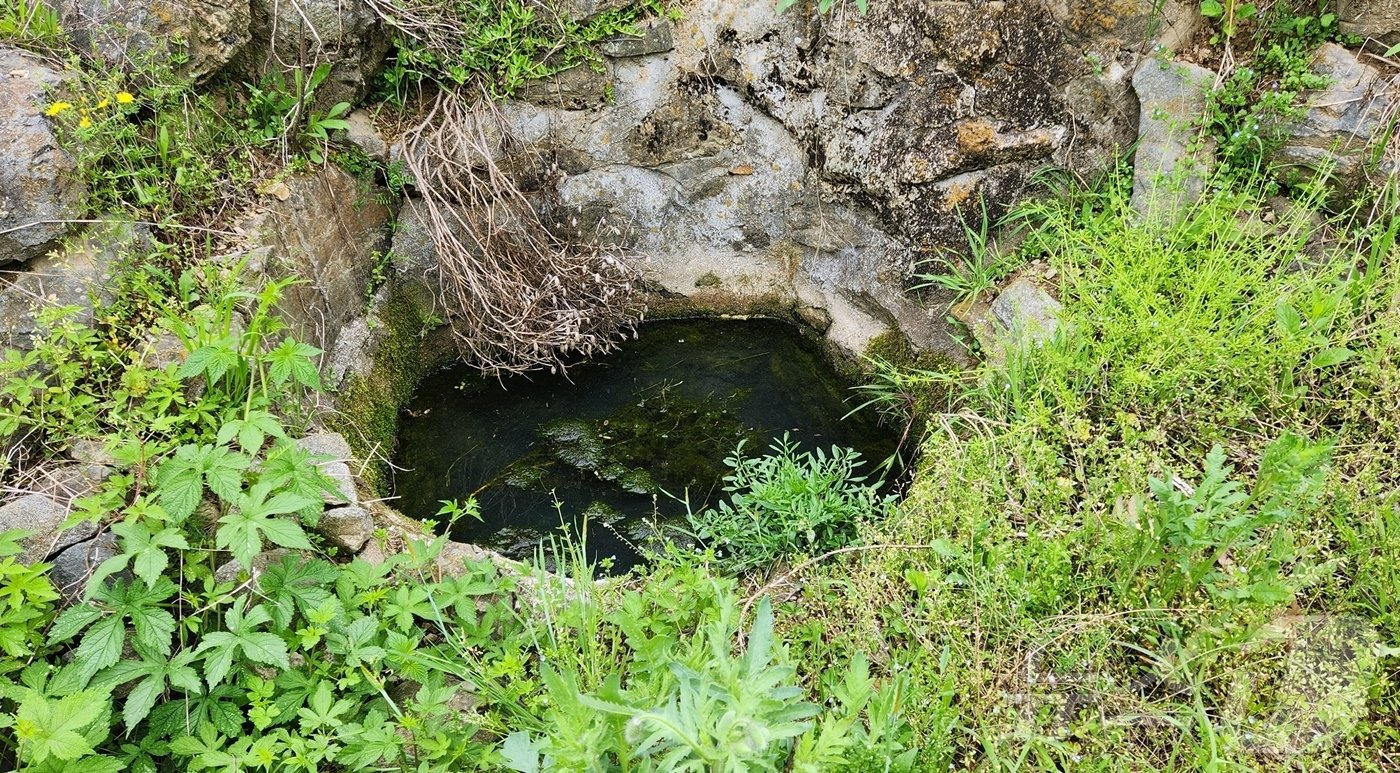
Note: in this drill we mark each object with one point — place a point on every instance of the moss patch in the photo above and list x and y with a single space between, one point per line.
370 403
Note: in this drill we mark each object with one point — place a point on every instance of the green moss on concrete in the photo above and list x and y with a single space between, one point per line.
369 404
708 279
717 303
893 347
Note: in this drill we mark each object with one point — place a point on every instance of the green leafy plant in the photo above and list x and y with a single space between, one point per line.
495 46
788 503
31 24
980 270
1229 13
1193 530
1250 112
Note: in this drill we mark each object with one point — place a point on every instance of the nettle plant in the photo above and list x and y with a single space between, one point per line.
173 661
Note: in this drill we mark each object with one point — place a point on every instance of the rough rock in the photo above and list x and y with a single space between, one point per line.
364 136
73 276
582 10
327 232
67 482
90 451
1024 309
229 570
126 33
1172 160
346 34
1341 122
1374 19
450 561
72 567
38 187
413 254
163 349
655 38
346 527
576 88
795 161
43 518
336 466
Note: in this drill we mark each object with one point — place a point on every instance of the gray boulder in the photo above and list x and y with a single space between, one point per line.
804 164
74 276
43 518
1173 160
72 567
348 528
576 88
1341 122
127 32
655 38
325 229
65 483
229 571
346 34
336 466
1025 309
1374 19
39 189
582 10
363 135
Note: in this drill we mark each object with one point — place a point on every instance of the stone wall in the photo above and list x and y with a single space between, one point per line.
814 161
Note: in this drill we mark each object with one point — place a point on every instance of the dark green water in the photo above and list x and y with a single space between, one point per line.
609 443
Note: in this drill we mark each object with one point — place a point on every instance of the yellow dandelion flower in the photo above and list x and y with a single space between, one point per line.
103 103
57 108
84 123
125 98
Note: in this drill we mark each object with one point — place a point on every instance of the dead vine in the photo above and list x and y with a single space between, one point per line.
518 295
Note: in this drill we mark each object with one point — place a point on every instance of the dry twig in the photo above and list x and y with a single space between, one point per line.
519 297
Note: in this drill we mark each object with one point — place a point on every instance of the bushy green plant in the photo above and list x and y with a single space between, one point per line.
1250 112
285 114
1192 327
495 46
1193 530
31 24
788 503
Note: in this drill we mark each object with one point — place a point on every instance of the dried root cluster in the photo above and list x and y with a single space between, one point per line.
518 295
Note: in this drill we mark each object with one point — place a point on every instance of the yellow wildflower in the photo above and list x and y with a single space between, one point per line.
103 103
125 98
57 108
84 123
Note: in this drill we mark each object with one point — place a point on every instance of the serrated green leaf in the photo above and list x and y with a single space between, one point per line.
100 647
1330 357
142 699
285 533
265 648
73 620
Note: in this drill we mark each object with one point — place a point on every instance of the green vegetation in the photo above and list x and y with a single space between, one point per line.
975 273
787 503
1166 539
1112 537
30 24
494 46
1249 114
